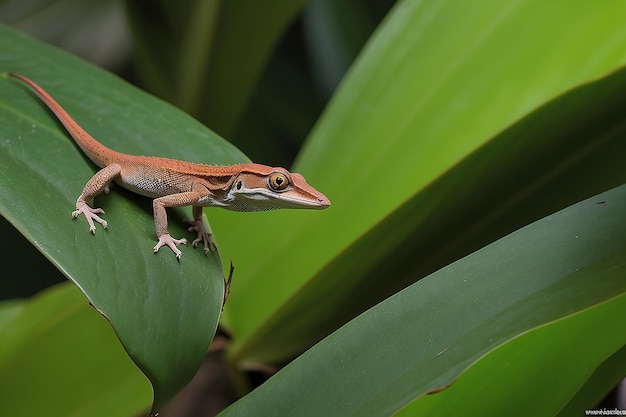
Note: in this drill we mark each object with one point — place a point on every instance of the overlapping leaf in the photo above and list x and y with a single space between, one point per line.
420 340
164 311
53 346
456 125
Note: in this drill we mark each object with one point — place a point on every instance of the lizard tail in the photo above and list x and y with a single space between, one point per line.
96 151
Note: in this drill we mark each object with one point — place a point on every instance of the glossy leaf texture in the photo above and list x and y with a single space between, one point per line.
165 312
518 313
456 125
52 345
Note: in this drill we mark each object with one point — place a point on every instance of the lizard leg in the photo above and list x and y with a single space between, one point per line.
160 217
202 229
97 184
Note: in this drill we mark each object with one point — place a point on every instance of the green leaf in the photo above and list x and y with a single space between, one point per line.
557 155
606 377
456 125
569 265
52 346
533 366
165 312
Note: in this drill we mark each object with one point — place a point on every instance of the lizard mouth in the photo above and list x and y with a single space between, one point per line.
262 200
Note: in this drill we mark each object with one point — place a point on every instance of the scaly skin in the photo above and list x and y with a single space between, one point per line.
174 183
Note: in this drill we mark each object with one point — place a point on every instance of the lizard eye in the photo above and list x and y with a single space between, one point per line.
277 181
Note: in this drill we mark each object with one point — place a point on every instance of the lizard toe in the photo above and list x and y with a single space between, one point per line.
170 242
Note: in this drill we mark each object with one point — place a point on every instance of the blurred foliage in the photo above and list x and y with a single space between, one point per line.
94 30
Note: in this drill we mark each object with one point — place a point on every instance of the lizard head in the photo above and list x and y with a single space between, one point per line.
266 188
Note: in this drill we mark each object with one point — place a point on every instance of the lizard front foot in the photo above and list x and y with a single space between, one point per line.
91 214
167 240
204 234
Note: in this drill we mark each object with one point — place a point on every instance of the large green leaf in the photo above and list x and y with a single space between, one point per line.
545 367
164 311
52 346
438 84
574 153
421 339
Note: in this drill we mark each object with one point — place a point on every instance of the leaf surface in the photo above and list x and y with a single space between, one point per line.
165 312
568 265
52 344
456 125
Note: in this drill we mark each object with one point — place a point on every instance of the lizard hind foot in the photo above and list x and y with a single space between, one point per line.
91 214
169 241
204 235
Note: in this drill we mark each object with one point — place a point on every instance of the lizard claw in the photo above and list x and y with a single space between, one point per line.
91 214
204 234
169 241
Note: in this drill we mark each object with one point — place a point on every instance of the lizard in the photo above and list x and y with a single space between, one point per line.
175 183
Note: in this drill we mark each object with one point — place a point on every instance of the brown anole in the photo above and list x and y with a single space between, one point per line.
175 183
